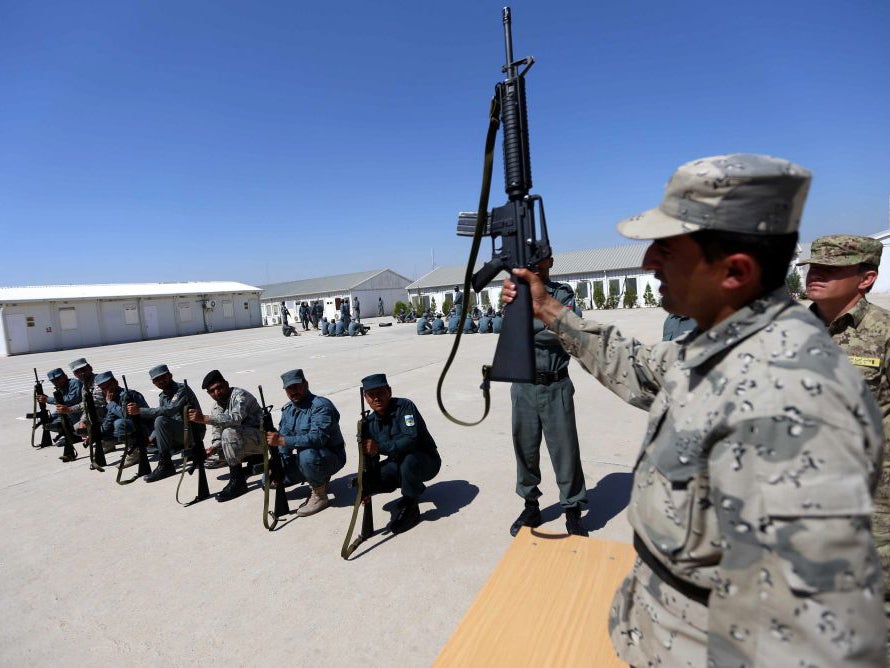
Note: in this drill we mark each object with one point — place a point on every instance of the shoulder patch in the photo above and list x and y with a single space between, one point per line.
409 420
871 362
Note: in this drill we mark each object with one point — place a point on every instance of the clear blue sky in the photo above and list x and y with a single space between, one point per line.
278 140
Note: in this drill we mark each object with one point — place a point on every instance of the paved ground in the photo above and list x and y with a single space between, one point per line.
92 573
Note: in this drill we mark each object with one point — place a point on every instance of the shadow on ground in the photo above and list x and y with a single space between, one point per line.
608 498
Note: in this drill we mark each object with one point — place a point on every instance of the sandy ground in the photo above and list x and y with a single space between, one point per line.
92 573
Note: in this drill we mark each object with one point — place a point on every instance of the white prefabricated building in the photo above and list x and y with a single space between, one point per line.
61 317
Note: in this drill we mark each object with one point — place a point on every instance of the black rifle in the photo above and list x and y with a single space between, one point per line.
136 440
69 452
273 470
193 456
366 483
40 417
515 241
94 431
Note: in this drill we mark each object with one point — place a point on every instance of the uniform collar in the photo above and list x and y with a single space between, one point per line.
854 315
745 322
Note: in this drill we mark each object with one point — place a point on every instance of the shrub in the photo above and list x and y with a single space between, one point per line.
794 284
399 308
486 300
447 304
433 304
599 299
630 299
612 301
648 297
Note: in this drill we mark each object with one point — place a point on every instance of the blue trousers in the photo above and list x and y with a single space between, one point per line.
409 472
314 466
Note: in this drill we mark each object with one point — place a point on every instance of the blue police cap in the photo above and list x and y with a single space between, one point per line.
158 370
104 377
79 363
374 381
55 373
292 377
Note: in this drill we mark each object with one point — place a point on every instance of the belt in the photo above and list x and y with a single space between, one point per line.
689 590
548 377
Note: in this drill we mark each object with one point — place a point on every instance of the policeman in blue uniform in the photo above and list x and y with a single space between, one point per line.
438 326
424 326
497 322
396 429
344 311
547 406
453 321
484 324
116 423
309 440
71 390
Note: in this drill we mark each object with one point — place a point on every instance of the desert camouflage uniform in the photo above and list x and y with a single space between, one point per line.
752 488
236 427
863 333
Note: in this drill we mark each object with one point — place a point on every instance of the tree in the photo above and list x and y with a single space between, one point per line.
399 308
630 299
612 301
486 300
795 287
599 299
648 297
433 304
447 303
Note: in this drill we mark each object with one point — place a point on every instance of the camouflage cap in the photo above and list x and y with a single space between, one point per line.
844 250
742 192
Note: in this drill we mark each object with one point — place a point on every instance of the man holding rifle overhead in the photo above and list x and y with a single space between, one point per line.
752 490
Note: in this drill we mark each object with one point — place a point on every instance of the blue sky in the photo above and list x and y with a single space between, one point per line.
279 140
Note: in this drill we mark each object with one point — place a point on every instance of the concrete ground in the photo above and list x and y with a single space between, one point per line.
92 573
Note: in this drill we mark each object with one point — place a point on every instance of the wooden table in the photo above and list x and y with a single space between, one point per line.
546 604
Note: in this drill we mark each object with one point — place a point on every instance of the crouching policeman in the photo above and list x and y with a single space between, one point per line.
309 441
396 429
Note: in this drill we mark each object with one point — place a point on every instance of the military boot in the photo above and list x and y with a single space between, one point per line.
164 469
573 522
132 458
407 516
529 517
236 487
316 502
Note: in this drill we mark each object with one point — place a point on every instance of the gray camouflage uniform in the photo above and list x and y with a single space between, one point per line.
751 494
236 427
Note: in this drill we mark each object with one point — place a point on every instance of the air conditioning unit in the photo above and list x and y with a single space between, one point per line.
209 304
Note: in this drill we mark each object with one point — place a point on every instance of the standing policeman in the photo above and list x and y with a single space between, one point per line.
548 406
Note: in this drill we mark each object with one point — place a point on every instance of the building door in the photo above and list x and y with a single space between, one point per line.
150 311
17 331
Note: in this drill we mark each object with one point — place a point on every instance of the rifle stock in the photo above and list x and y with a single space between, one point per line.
135 441
193 456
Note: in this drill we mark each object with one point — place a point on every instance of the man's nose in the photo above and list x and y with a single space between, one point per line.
650 258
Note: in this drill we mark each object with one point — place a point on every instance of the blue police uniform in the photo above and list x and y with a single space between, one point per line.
72 395
469 325
497 322
438 326
314 448
166 420
423 326
484 325
116 422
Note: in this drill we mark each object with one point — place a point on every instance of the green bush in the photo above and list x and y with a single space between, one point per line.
399 308
612 301
447 304
599 299
648 297
486 300
433 304
794 285
630 299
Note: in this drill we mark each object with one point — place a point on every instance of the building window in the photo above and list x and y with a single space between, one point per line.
185 312
614 286
630 285
131 314
68 318
228 309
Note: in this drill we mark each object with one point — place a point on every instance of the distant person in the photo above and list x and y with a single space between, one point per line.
454 321
380 306
309 440
438 325
235 422
357 309
676 326
304 316
497 322
484 324
344 311
458 298
285 314
396 429
469 325
424 326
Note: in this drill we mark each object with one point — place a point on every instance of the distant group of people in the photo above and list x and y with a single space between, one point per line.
308 439
475 322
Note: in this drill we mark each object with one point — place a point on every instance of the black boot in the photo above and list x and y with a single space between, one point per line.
530 517
573 522
407 516
165 469
236 487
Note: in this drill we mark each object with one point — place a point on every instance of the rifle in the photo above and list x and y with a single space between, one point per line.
137 439
514 238
365 484
273 469
40 416
192 449
94 431
69 452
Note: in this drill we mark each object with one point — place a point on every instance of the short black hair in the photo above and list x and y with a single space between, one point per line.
772 252
213 377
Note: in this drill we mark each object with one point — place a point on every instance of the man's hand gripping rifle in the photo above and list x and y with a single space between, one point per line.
514 235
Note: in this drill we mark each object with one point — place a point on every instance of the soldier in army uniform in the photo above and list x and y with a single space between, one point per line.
235 423
751 492
165 421
547 406
71 390
396 429
309 440
83 371
842 269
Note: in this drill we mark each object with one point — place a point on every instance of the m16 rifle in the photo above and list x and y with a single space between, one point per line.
94 431
366 483
40 417
515 240
273 471
69 452
193 456
135 441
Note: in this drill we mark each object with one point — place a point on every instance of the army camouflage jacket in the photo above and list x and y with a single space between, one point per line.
863 333
242 409
752 485
98 399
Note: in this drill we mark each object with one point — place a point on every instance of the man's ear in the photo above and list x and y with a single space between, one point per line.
867 279
741 271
